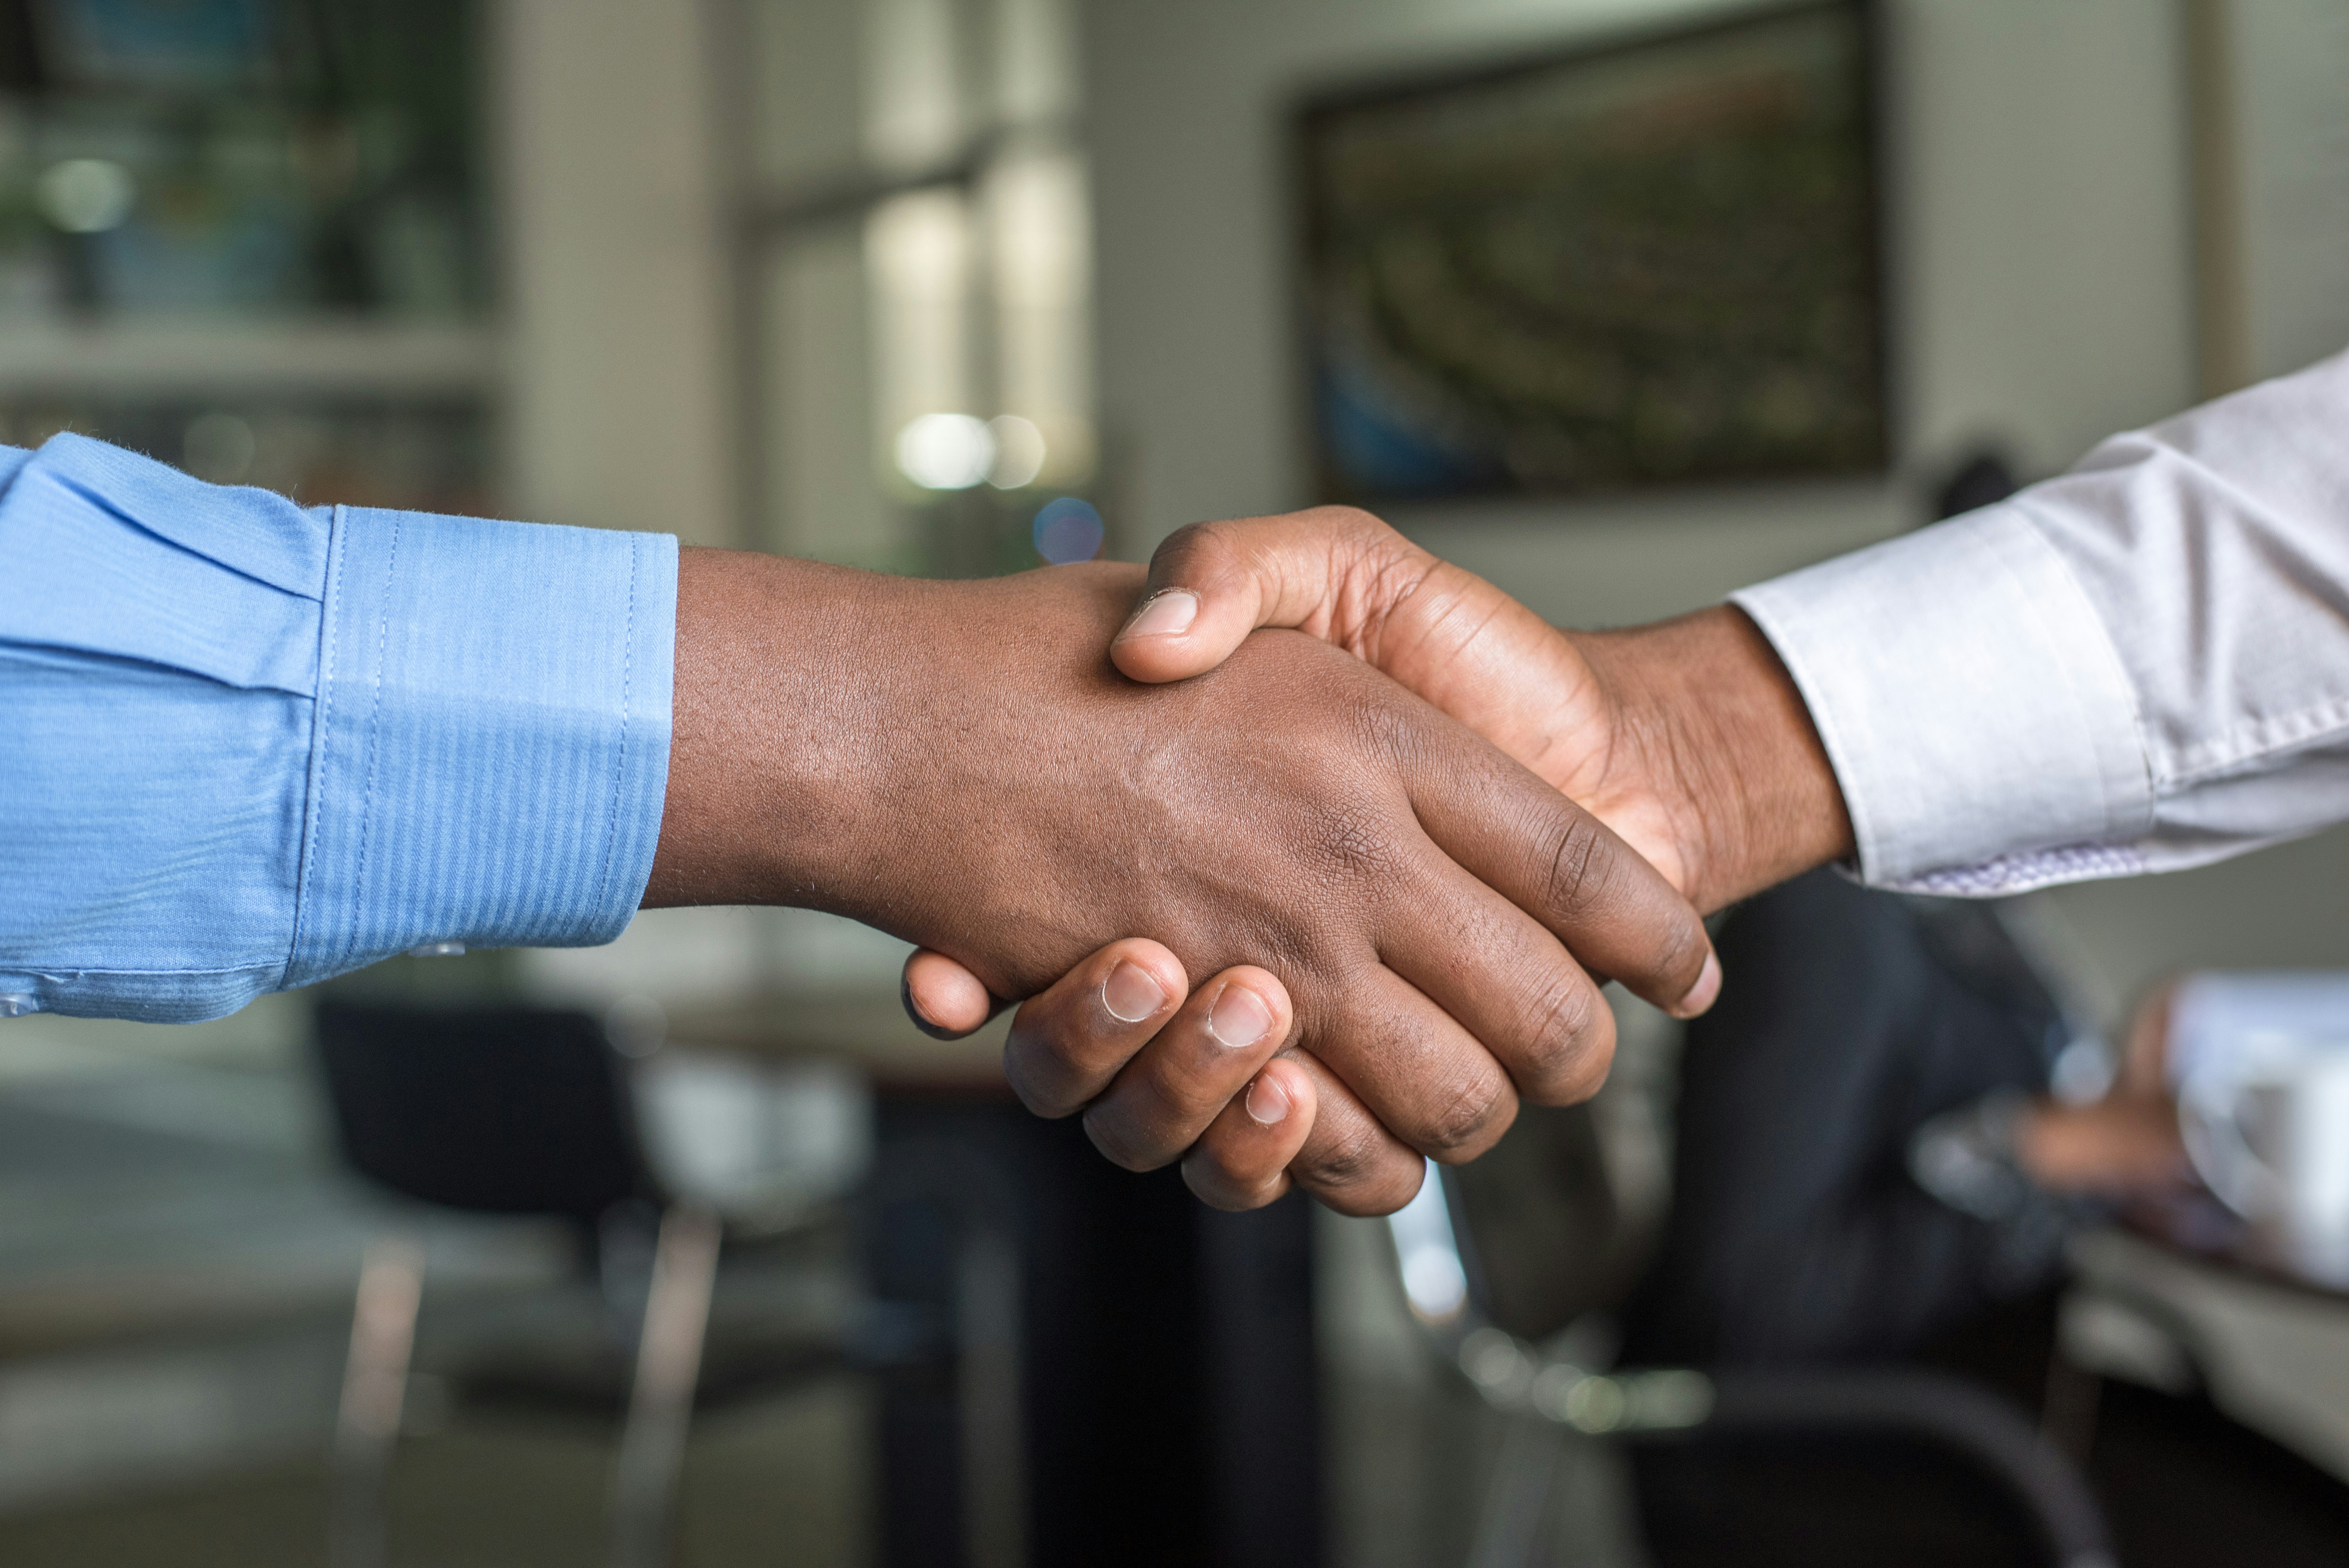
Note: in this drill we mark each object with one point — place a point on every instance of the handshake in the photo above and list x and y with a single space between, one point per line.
1404 827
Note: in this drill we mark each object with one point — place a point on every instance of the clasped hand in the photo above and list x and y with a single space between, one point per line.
1221 1076
1403 825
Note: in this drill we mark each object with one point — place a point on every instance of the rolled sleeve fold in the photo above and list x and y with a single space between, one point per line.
491 742
1970 703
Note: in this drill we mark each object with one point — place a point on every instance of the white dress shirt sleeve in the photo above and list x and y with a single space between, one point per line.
2140 666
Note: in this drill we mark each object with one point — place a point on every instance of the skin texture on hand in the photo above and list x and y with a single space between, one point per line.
1688 738
960 764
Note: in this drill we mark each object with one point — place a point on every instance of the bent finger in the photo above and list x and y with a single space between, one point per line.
1615 912
1199 1062
1519 994
1349 1162
1069 1041
1241 1161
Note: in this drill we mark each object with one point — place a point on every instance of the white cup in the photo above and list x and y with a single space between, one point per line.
2268 1128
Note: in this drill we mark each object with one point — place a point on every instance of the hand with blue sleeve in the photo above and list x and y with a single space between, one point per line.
251 745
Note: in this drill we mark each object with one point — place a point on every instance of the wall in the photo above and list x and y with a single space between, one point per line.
2037 230
616 279
2039 240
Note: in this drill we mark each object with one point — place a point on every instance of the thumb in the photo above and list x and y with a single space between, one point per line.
1212 584
944 1000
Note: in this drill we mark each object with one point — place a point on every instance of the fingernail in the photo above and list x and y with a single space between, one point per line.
1700 995
1240 1018
1164 615
1267 1102
1131 995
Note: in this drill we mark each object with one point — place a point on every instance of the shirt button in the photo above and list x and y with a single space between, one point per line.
16 1004
436 950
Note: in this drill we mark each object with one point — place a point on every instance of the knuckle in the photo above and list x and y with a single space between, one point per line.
1043 1089
1342 1159
1303 947
1577 878
1679 949
1121 1142
1469 1118
1192 546
1384 724
1356 841
1570 1046
1184 1099
1053 1067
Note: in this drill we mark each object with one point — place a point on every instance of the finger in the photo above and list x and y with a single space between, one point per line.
1241 1161
944 1000
1200 1061
1505 981
1349 1162
1614 912
1068 1042
1433 1085
1212 584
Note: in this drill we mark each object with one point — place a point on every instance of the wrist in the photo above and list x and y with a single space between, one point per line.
1711 722
770 791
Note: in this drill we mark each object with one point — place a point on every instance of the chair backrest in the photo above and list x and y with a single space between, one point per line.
500 1110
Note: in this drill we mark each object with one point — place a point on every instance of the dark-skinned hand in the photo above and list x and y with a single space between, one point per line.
959 764
1687 738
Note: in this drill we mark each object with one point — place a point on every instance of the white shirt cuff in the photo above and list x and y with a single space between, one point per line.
1979 719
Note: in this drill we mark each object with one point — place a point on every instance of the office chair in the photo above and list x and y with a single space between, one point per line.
1504 1317
516 1112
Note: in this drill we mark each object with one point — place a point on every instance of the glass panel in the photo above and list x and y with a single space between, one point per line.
932 377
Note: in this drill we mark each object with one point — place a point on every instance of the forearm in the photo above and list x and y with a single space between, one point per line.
840 740
1710 719
765 722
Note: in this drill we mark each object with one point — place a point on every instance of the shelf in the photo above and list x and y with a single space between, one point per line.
166 359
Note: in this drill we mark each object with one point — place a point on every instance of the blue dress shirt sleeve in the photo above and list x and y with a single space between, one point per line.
246 746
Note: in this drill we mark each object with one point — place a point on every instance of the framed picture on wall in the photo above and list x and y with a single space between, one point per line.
1648 264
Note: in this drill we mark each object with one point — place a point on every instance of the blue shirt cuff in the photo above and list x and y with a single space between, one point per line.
491 749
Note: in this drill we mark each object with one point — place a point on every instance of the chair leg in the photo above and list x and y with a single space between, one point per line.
660 1402
374 1387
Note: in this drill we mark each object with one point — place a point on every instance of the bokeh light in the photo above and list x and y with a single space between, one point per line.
86 195
219 447
945 451
1019 452
1068 530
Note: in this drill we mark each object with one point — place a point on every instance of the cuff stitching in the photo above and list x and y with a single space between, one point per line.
321 728
620 769
374 744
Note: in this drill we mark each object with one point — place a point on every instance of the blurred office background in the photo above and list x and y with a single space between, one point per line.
884 282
